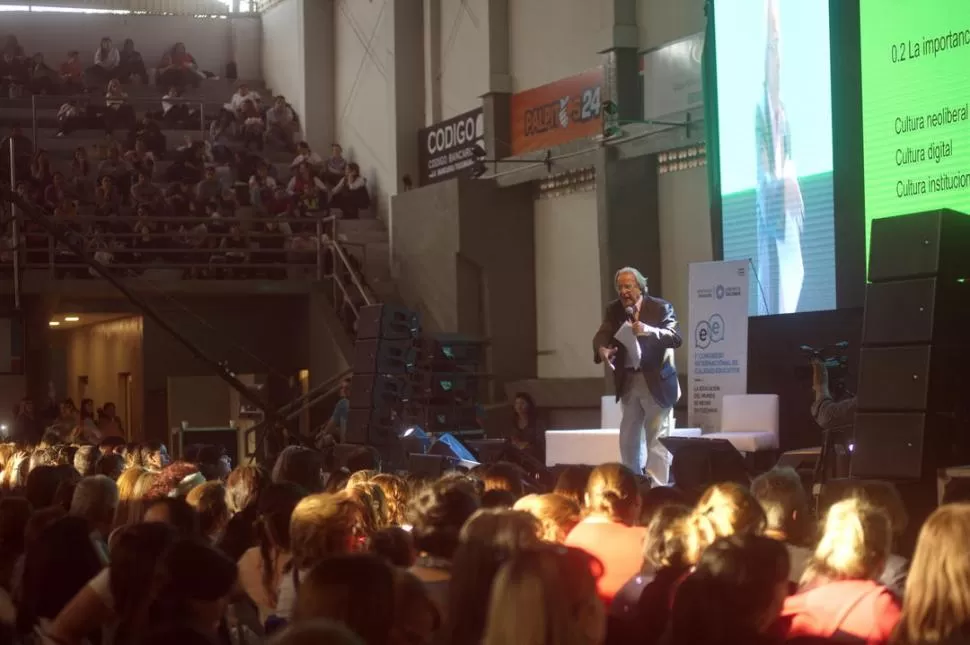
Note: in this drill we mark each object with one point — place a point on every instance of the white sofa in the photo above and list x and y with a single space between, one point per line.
749 422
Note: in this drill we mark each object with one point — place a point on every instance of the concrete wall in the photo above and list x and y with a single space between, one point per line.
209 40
464 259
283 52
100 352
661 21
496 275
426 240
462 40
685 237
363 92
568 292
552 39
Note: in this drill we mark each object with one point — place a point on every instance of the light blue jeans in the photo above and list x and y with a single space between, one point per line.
644 423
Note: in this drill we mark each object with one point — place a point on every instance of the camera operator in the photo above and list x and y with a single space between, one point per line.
827 412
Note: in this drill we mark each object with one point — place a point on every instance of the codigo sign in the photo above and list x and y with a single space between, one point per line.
557 113
444 149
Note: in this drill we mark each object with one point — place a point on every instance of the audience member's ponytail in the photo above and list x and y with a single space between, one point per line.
724 509
612 492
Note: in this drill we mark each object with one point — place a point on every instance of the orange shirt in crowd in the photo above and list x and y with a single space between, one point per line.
618 546
72 69
861 610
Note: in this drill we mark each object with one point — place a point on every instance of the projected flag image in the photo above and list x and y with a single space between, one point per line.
775 124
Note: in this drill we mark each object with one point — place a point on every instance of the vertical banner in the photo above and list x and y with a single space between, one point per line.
672 78
718 350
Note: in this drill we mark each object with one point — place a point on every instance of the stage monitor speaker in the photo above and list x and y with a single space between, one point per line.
906 445
432 466
915 377
368 426
385 356
443 418
445 387
927 244
926 310
700 463
387 321
451 352
378 390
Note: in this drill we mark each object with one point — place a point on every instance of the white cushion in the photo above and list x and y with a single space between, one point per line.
749 413
747 441
592 447
686 433
610 412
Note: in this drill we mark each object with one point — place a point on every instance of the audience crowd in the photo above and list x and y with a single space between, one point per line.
104 541
212 206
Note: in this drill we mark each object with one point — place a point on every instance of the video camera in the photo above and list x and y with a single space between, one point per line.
836 364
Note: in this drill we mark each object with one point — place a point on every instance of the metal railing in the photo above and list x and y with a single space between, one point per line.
200 247
92 108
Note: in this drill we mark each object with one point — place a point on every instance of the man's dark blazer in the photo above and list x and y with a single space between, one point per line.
656 363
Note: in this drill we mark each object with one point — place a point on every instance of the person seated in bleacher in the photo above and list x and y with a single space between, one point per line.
210 188
114 166
178 68
187 164
305 155
140 159
131 64
13 74
281 124
144 192
105 68
233 250
57 191
253 127
41 79
177 114
107 197
81 173
308 190
246 165
72 73
239 98
351 195
69 118
148 130
117 110
336 166
262 187
40 171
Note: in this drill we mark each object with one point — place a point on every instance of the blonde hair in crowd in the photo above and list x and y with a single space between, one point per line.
557 514
936 606
538 598
323 524
724 509
127 483
855 543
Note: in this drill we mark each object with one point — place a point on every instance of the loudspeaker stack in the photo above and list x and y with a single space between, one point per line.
913 407
384 358
446 385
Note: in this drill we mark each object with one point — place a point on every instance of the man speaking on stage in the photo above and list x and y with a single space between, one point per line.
637 340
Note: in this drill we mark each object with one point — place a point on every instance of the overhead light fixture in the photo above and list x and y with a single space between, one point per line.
54 323
71 318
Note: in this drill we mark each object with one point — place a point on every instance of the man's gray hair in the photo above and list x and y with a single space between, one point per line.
641 280
95 498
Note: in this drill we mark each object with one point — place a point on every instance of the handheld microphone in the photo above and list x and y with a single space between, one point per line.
631 313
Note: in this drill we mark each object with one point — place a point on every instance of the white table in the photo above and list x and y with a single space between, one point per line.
592 447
